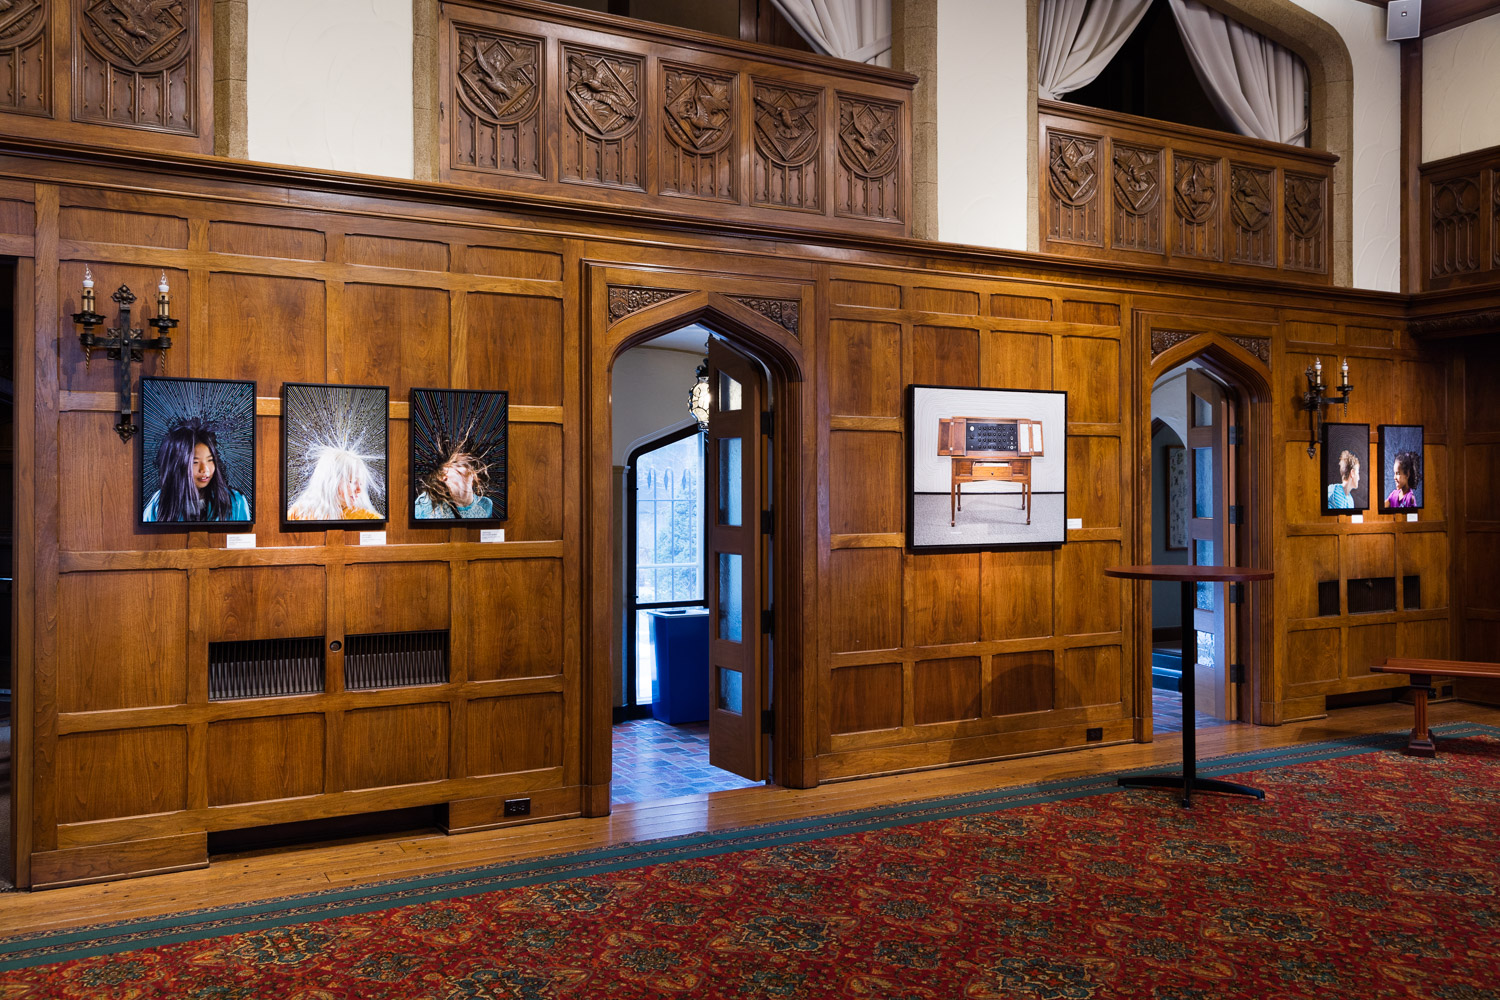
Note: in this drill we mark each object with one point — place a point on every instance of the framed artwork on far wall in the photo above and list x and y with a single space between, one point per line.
1403 472
1177 498
987 468
197 453
335 455
458 455
1345 482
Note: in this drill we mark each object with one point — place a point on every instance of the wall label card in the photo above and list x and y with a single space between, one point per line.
488 535
245 541
372 538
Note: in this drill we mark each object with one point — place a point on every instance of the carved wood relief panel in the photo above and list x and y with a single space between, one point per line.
545 100
134 64
497 116
602 142
1181 197
1460 234
1455 226
788 141
26 58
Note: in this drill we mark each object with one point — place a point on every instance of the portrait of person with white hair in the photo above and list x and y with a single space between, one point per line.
335 453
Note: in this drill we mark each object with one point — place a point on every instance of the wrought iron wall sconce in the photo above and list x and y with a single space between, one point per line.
1315 399
123 343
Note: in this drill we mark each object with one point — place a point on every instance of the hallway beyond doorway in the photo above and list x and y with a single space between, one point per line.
654 760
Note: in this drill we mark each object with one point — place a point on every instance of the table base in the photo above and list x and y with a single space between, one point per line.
1189 785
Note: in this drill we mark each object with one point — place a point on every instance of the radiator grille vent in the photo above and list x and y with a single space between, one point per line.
395 659
265 668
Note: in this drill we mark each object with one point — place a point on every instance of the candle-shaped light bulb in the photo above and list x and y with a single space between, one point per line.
1318 369
88 290
163 303
1344 371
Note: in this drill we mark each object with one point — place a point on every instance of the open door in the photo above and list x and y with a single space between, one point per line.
736 564
1210 537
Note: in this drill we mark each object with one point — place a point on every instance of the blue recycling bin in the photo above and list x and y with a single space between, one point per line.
679 693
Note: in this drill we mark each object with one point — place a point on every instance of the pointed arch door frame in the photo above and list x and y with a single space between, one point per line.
625 307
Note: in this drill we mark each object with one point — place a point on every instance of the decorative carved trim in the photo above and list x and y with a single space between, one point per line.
783 312
1072 169
1304 206
21 22
498 75
141 36
869 137
1196 189
604 93
1250 199
1470 324
1137 178
1455 226
627 299
1258 346
1162 340
699 111
26 52
786 124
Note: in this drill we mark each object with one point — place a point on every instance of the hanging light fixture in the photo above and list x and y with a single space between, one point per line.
699 398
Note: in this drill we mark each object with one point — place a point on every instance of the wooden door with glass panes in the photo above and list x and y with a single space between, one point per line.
736 559
1210 538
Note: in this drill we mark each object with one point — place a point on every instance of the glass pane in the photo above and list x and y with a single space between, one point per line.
731 604
1205 649
1203 413
645 660
731 690
730 481
669 522
1204 556
1203 482
729 392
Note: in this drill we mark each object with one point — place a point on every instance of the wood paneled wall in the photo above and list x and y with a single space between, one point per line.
1476 540
1460 213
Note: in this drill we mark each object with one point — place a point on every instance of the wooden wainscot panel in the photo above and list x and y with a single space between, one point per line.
1372 401
1090 676
1023 682
1424 554
403 255
1316 561
535 473
1424 394
397 745
401 339
1481 471
255 760
1018 593
266 241
1369 644
128 772
1089 369
95 225
395 597
1308 332
519 632
1424 640
509 262
864 698
946 690
123 643
1093 313
102 863
1482 556
1313 656
264 328
944 355
942 599
867 294
1089 601
864 368
1094 480
516 344
16 217
1370 336
1017 361
1030 307
97 505
266 602
519 733
1369 555
865 476
957 301
1303 478
864 587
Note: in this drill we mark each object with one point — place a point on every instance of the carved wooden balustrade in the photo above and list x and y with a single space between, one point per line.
1138 191
1461 209
553 100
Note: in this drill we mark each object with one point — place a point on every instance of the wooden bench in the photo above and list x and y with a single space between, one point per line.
1422 672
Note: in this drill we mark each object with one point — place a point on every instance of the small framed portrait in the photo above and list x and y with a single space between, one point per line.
197 453
335 455
1402 468
987 468
1346 468
458 455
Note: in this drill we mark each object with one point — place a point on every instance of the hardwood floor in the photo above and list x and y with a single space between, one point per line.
260 875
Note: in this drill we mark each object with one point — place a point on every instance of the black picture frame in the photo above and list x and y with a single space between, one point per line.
475 422
1393 441
215 414
330 432
1028 424
1337 439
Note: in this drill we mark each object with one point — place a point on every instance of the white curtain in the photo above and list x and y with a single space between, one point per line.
1259 87
857 30
1076 39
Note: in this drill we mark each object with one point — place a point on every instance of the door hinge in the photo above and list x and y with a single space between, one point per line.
767 422
1236 593
1236 673
768 721
1236 434
767 621
767 523
1236 514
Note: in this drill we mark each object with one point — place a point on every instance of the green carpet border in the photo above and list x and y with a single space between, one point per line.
48 947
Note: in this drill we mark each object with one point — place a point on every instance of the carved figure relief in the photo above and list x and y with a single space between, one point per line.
1196 189
699 111
869 139
498 75
137 33
1305 243
1252 206
25 58
786 124
21 21
139 47
603 94
1137 185
1455 226
1071 169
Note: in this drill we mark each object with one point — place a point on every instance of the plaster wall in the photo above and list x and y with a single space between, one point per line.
649 395
1461 89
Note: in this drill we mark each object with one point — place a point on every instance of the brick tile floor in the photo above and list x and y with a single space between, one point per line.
656 761
1166 713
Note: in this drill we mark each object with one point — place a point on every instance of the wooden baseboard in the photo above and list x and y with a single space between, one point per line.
107 862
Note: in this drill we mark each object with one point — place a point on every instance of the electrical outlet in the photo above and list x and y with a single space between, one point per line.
518 807
1091 735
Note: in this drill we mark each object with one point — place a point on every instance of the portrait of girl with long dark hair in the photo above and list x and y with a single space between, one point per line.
197 452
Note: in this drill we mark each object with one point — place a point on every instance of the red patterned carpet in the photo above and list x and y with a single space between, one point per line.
1364 873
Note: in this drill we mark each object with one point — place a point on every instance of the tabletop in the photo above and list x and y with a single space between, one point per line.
1190 574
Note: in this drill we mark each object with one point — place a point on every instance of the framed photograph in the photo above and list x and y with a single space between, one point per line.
987 468
197 453
1402 468
1177 498
458 451
1345 483
335 451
